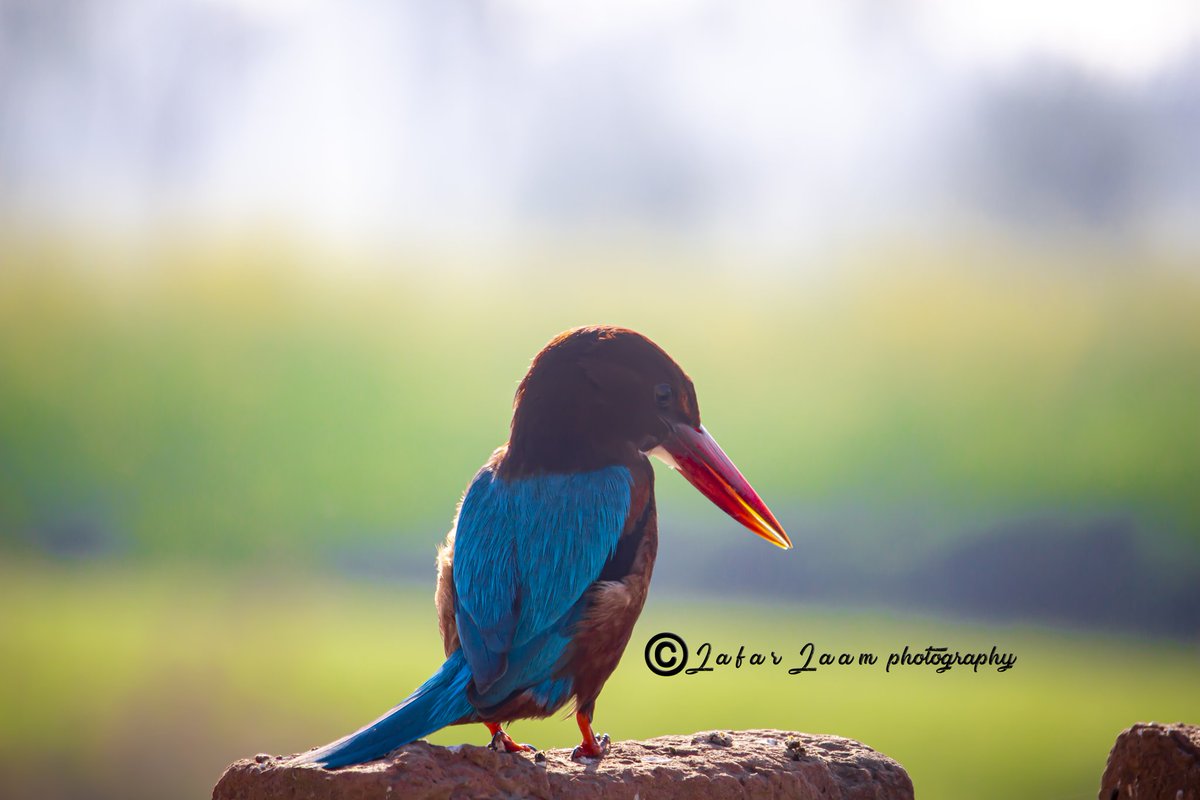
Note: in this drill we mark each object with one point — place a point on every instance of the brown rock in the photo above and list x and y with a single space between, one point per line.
705 766
1154 762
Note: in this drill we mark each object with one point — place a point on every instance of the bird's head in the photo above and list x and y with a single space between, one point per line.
602 395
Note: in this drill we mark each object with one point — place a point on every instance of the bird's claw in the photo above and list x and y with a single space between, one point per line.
583 751
502 742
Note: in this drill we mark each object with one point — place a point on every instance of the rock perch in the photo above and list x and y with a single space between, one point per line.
703 766
1154 762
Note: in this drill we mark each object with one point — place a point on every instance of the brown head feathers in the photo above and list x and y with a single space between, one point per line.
594 397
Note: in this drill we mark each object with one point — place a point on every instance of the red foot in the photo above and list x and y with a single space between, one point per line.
500 739
591 746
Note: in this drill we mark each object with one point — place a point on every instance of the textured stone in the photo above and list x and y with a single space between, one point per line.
704 766
1154 762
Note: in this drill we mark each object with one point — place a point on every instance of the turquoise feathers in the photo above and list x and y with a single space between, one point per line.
525 553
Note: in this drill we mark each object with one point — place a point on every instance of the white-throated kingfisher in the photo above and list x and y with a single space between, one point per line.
545 572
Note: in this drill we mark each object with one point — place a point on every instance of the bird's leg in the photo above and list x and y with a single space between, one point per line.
502 741
591 746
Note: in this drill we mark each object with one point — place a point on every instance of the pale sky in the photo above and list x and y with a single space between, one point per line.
1127 39
436 118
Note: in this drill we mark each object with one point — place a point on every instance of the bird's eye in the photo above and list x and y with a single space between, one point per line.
662 394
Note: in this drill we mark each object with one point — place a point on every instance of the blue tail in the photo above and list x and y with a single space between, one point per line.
441 701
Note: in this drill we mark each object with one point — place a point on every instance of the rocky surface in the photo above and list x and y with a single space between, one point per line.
704 766
1154 762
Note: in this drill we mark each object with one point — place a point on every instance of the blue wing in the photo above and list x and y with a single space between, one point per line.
525 552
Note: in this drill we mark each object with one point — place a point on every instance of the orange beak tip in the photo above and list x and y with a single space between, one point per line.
779 539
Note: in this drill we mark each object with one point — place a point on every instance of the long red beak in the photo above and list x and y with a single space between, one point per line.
701 460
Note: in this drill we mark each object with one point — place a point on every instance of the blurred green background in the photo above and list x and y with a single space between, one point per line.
265 298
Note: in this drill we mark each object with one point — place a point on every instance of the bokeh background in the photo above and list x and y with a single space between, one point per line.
270 272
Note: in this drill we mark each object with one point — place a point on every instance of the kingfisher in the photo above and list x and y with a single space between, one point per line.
546 567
